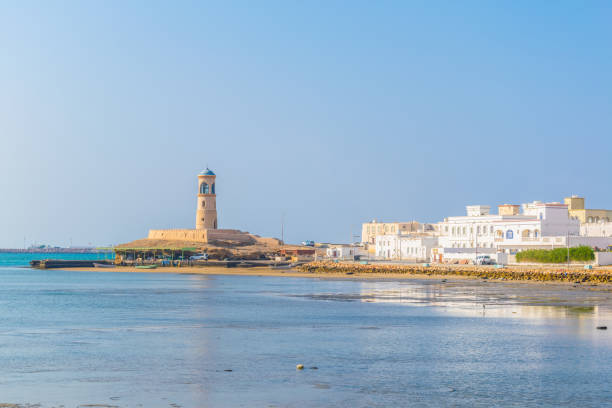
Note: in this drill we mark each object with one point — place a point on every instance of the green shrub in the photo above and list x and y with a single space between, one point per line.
558 255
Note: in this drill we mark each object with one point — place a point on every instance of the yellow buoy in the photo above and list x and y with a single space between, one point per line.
300 366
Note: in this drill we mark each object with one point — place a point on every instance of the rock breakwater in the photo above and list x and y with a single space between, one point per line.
516 273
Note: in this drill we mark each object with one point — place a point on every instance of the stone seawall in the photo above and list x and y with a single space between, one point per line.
202 235
179 235
524 273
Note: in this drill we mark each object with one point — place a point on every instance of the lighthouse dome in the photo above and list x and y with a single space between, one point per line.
207 172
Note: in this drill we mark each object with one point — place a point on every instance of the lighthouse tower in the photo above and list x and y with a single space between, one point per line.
206 214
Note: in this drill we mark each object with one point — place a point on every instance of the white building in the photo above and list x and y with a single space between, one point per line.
596 229
405 247
515 228
509 230
345 252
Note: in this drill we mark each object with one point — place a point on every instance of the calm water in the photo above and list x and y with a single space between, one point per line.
23 259
157 340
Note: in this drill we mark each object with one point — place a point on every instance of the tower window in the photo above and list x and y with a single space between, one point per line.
204 188
203 203
213 188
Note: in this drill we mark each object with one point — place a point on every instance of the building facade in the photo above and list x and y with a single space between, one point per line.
345 252
416 248
596 229
207 230
576 210
509 229
514 228
370 230
206 212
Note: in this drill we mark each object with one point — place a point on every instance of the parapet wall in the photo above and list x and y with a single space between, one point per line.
202 235
180 235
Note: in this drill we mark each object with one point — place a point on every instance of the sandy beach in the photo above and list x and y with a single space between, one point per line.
599 276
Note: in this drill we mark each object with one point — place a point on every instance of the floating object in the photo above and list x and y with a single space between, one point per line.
146 266
314 368
103 265
299 366
602 327
349 273
228 370
280 267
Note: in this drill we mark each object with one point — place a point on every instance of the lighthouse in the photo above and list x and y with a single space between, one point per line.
206 214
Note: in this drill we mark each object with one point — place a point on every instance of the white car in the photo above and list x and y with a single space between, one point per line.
483 260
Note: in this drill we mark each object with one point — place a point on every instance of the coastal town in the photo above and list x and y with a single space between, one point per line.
514 228
509 236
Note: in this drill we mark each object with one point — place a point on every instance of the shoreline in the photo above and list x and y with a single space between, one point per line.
380 272
525 273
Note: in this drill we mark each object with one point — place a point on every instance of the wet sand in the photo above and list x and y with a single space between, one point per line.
357 275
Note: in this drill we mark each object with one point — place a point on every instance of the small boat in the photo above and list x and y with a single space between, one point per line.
103 265
285 266
146 267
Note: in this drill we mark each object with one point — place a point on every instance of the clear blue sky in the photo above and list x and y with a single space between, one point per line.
333 112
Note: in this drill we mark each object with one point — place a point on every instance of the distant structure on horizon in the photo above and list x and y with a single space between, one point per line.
206 213
576 209
514 228
206 229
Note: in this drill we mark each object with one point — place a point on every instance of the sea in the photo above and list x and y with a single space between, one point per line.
112 339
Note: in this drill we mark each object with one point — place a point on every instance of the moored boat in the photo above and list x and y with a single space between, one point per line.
283 266
103 265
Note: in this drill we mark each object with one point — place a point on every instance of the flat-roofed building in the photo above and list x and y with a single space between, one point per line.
416 247
510 230
369 230
584 215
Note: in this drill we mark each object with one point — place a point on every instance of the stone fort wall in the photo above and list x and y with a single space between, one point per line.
202 235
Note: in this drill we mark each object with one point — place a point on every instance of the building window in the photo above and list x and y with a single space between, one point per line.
203 204
204 188
212 190
478 230
509 234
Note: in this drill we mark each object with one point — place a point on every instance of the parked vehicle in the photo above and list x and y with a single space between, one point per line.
308 243
483 260
202 257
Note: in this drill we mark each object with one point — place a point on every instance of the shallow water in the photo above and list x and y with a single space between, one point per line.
157 340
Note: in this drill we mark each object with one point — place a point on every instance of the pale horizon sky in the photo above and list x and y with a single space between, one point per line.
330 112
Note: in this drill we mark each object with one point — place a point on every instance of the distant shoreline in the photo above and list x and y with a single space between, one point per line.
53 251
527 273
307 271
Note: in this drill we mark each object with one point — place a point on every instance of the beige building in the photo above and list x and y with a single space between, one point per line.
206 213
206 229
576 210
370 230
